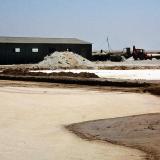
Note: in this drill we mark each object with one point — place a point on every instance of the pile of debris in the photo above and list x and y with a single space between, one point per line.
65 60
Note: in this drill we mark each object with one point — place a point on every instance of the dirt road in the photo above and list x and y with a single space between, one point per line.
32 122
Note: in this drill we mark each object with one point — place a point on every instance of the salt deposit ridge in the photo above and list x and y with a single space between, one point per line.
118 74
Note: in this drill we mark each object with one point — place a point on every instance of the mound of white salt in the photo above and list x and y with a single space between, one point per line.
66 60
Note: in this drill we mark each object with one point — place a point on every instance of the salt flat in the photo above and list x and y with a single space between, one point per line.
147 74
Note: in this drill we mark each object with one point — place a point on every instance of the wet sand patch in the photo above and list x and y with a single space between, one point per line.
140 132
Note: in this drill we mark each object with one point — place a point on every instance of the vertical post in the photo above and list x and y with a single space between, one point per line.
108 44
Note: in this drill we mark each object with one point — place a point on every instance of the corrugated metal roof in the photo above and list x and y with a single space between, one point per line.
42 40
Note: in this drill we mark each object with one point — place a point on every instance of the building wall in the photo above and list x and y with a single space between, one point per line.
9 56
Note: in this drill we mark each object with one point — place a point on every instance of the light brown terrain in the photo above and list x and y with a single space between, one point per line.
33 116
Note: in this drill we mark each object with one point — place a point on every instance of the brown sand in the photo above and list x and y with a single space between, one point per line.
142 132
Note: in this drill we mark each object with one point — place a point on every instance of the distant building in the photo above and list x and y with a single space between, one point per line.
23 50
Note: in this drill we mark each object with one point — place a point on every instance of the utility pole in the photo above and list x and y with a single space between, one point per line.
109 47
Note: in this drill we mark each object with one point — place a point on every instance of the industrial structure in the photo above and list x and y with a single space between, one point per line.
23 50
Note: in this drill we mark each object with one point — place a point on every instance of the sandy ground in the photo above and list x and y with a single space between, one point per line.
32 121
142 131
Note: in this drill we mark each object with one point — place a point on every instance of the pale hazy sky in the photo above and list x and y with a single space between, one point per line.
126 22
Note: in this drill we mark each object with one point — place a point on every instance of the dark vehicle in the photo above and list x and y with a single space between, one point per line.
137 54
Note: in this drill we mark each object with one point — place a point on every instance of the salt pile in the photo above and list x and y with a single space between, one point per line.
65 60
